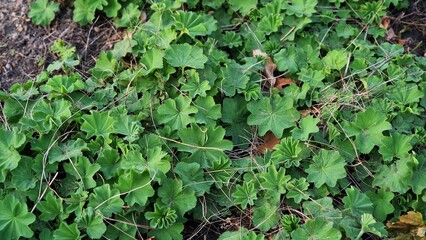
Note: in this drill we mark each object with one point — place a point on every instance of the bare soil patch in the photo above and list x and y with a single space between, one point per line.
24 47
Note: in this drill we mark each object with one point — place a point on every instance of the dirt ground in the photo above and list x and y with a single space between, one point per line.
24 47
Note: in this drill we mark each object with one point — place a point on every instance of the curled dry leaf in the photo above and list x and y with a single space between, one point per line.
411 223
269 142
282 82
385 23
269 68
390 35
412 218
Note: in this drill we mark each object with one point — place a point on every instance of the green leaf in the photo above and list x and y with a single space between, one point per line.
42 12
176 112
301 8
158 163
297 189
369 225
206 144
106 200
109 159
98 124
23 176
220 172
111 9
190 23
367 129
63 84
231 39
245 194
274 180
244 7
316 230
418 179
93 223
137 186
192 175
233 79
185 55
265 216
173 232
405 93
395 177
152 59
234 115
123 47
47 115
162 217
50 208
9 142
396 145
322 209
208 111
356 202
271 23
175 197
128 127
289 151
67 232
83 170
15 219
328 167
272 114
84 11
307 125
336 59
129 16
105 66
291 59
193 85
71 149
381 203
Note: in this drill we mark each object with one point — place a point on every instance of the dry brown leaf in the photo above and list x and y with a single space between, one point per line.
390 35
412 218
268 143
269 67
282 82
402 41
385 23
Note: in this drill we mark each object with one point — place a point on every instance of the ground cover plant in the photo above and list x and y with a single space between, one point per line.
246 119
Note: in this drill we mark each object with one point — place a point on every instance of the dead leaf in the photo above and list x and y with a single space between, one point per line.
385 23
409 226
269 67
390 35
282 82
269 142
402 42
412 218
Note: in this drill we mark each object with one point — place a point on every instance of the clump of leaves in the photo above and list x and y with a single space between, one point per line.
138 149
42 12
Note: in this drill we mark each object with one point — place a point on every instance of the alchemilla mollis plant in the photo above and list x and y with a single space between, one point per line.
164 131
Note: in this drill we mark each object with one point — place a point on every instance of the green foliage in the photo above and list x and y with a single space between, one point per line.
328 167
272 114
185 55
15 219
42 12
245 194
178 124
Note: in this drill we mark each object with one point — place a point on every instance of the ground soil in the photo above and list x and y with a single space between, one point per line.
409 26
24 47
